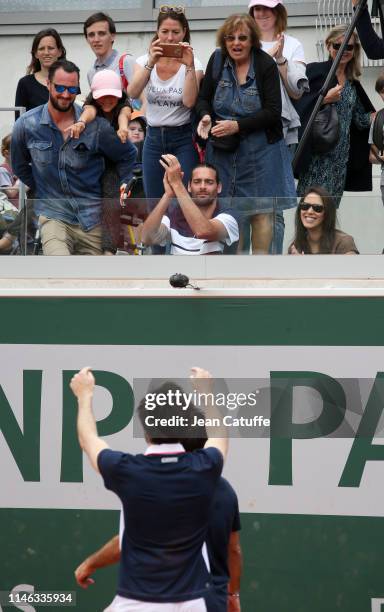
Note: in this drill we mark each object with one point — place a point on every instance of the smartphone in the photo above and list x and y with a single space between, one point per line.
172 50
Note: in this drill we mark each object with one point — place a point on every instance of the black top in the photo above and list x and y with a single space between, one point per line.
372 44
359 170
30 93
268 84
225 519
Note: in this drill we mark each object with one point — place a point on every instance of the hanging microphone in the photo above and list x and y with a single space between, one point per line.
181 281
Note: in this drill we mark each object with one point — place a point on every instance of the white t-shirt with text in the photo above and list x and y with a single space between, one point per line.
165 98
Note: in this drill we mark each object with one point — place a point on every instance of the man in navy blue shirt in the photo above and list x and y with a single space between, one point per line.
65 173
223 544
166 496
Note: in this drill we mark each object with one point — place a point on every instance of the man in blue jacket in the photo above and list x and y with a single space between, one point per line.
64 174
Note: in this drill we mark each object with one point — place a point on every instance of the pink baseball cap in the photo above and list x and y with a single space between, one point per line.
268 3
106 83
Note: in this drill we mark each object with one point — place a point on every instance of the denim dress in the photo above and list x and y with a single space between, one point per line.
258 175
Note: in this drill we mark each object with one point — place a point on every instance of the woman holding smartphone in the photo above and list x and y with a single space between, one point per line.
170 75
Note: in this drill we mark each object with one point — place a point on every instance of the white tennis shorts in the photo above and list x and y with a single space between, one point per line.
122 604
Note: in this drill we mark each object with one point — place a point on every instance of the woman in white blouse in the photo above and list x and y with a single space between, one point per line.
171 85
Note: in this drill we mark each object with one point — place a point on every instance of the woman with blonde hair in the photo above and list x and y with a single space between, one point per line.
346 166
239 106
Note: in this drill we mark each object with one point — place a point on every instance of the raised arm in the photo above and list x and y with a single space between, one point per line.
209 229
141 74
202 382
83 385
372 44
153 230
192 77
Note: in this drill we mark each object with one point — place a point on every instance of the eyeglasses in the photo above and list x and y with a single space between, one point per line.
74 90
232 37
337 46
166 8
317 208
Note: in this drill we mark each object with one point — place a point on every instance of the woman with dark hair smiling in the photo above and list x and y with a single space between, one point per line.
316 231
47 48
170 75
240 109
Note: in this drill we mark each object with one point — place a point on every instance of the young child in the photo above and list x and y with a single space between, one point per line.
108 100
8 182
375 155
137 127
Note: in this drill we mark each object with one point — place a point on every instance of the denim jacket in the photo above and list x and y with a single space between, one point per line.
65 175
233 101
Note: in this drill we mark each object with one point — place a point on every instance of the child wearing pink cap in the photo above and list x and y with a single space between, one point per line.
108 100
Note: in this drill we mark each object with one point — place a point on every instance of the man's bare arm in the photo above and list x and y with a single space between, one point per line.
153 231
82 385
209 229
107 555
235 564
217 436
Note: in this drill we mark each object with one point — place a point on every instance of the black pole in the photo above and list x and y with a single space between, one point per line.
323 91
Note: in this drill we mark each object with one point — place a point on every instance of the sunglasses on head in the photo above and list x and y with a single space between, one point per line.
166 8
72 89
317 208
337 46
232 37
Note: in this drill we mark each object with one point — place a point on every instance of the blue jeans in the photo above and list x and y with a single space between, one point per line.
276 247
160 140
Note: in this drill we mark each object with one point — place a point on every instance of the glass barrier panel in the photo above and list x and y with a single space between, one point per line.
246 226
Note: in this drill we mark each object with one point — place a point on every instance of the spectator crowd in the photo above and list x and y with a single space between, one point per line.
164 156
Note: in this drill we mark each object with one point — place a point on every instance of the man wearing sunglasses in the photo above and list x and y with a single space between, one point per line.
63 173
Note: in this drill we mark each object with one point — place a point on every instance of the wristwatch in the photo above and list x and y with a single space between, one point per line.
283 60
